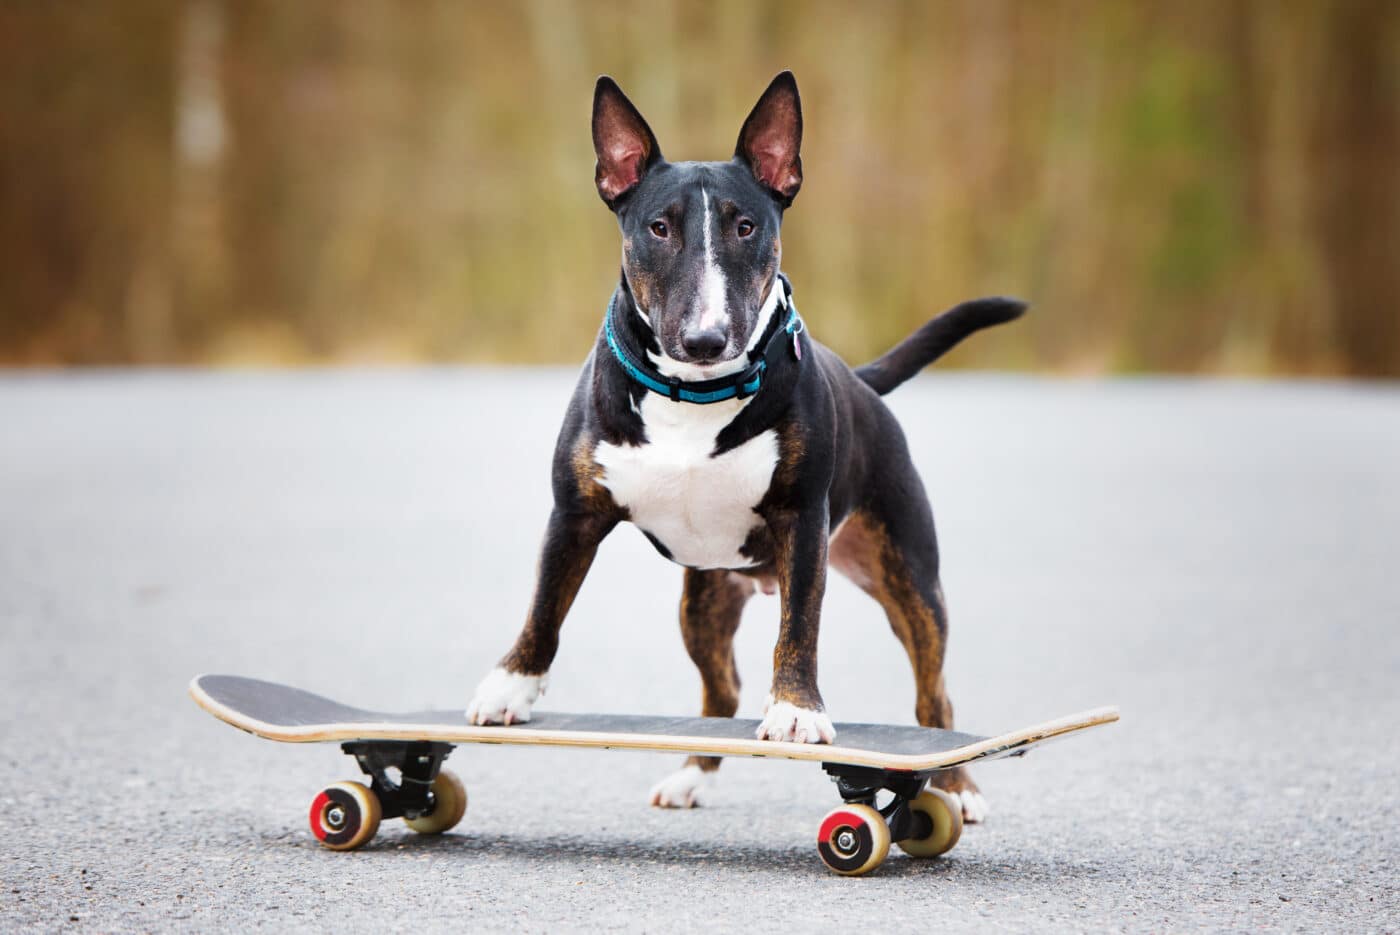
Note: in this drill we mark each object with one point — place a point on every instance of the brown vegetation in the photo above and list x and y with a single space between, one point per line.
1185 186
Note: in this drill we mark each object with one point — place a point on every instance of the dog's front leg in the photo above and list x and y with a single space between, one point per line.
794 710
506 695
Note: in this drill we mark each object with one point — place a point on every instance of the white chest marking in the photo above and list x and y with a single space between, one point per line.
700 508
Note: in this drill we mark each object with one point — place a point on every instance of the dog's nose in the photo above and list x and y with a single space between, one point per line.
703 344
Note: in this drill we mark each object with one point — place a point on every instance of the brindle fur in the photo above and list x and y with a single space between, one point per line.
896 574
712 603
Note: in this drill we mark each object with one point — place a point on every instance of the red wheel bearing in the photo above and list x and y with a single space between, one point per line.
853 839
344 816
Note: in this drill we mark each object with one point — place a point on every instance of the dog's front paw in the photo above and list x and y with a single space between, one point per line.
784 721
974 806
505 697
681 789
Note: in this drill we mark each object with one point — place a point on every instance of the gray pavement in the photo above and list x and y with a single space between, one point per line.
1218 558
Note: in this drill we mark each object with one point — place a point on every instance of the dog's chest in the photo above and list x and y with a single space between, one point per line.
699 507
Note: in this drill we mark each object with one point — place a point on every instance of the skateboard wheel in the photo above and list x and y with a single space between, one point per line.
853 839
945 813
345 815
449 805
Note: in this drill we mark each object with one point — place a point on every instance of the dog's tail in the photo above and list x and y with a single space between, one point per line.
935 339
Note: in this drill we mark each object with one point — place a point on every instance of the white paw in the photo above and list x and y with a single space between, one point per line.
974 805
783 721
505 697
681 789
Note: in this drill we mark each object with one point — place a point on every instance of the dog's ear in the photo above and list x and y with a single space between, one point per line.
624 143
771 140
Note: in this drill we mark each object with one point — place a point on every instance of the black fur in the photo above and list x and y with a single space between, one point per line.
841 452
935 339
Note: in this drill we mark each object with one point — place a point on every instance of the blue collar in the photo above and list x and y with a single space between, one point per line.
739 385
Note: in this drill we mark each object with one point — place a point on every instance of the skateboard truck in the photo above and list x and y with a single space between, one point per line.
417 764
856 837
406 780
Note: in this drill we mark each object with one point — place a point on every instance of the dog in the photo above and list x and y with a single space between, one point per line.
746 451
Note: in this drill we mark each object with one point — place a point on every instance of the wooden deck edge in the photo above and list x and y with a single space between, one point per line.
988 748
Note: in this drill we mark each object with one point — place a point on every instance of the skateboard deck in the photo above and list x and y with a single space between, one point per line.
403 754
280 712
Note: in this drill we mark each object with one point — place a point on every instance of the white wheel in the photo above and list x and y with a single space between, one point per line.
944 813
449 805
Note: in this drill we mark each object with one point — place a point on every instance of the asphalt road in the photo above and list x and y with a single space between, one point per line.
1218 558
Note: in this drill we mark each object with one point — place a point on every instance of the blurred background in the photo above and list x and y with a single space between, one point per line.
1177 186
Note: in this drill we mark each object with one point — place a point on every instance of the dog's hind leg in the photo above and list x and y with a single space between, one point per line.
895 561
712 602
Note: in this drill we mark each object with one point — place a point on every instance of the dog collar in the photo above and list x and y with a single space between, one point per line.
739 385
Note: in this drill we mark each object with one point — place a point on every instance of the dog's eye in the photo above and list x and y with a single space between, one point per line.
660 229
745 227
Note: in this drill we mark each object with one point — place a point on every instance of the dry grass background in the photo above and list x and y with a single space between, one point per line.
1176 186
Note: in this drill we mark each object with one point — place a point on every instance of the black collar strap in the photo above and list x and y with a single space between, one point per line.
739 385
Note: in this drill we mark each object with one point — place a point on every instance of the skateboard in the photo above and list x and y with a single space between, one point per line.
402 754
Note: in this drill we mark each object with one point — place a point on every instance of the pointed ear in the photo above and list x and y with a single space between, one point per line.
771 140
622 140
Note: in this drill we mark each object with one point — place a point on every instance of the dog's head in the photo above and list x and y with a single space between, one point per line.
700 244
